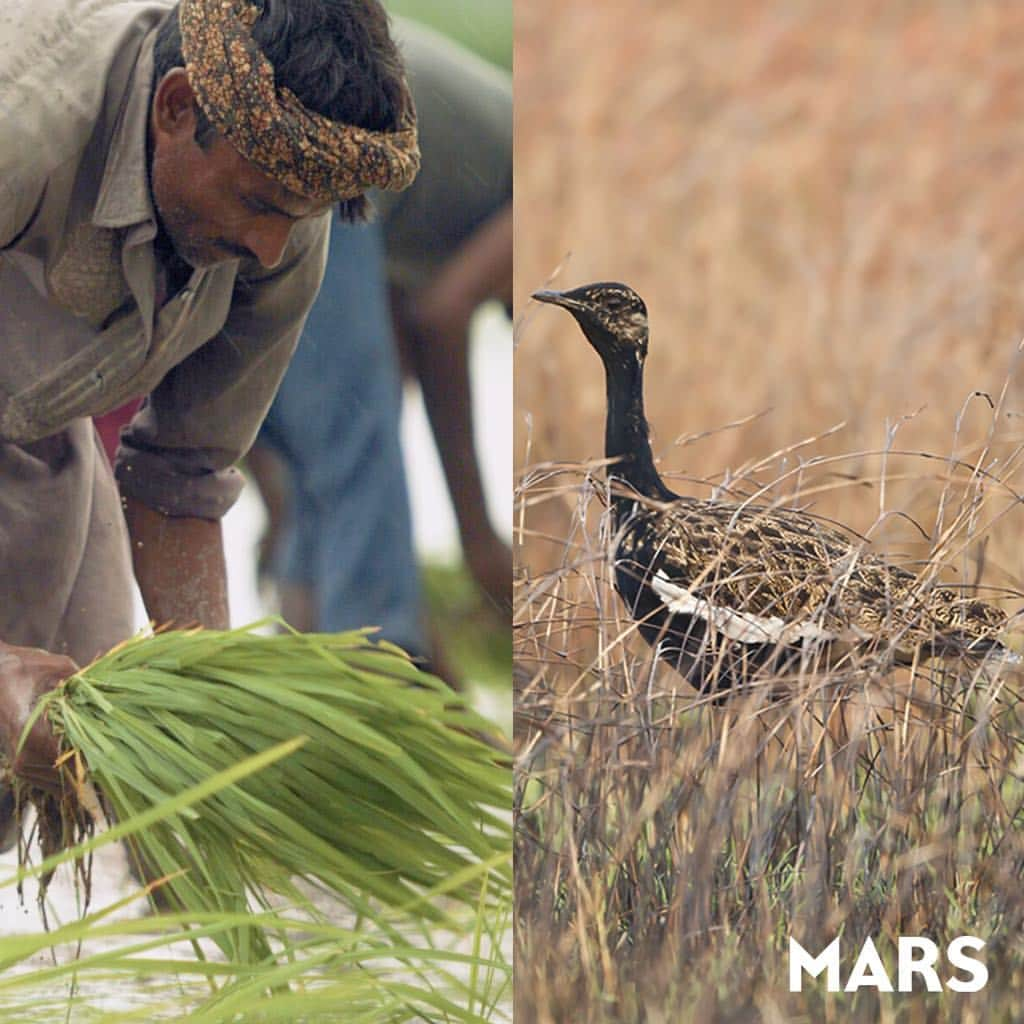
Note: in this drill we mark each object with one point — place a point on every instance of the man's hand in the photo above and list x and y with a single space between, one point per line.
490 564
26 673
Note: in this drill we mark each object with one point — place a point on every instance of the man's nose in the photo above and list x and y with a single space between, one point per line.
267 239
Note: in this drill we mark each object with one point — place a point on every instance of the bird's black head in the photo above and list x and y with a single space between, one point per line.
611 315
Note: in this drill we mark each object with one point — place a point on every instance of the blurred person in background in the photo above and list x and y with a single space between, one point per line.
398 296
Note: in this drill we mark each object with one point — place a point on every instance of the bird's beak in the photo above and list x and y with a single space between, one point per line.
557 299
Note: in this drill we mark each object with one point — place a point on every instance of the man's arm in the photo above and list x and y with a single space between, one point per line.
176 458
432 326
179 566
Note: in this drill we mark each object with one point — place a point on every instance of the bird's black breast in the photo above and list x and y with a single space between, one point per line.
708 660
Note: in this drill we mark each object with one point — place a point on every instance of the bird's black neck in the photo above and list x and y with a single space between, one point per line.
626 437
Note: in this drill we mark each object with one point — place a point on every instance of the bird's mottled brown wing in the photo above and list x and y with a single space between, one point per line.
798 573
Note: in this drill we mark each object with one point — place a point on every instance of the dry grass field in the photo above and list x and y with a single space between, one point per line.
823 206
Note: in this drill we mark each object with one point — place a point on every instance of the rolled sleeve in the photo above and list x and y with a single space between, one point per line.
178 454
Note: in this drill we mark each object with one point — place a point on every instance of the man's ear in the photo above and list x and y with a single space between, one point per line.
174 104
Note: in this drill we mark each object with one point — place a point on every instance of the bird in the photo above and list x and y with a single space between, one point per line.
723 589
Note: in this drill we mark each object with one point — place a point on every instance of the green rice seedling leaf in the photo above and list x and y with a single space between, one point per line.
155 814
390 801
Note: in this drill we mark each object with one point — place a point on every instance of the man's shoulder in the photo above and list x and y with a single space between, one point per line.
56 57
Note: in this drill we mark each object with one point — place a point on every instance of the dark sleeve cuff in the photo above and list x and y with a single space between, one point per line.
153 479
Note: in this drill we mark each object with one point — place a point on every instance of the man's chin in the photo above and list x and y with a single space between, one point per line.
199 257
212 258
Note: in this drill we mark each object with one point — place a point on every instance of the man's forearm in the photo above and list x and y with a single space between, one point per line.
179 566
433 327
443 373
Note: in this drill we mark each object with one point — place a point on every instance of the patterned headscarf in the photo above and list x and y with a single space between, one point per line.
306 152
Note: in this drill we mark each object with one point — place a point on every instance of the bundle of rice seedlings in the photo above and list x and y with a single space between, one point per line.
392 799
103 967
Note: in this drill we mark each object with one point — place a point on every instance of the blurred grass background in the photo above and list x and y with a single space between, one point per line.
478 644
485 26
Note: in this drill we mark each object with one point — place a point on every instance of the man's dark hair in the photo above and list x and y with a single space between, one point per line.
337 56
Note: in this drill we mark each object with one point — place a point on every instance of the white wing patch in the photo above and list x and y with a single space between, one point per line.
734 624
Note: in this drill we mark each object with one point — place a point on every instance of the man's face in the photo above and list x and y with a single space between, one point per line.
214 204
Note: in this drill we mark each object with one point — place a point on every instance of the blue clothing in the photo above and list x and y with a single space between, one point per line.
335 424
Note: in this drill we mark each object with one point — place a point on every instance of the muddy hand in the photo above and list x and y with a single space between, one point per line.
26 673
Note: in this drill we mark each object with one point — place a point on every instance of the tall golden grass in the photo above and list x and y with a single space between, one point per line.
821 206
